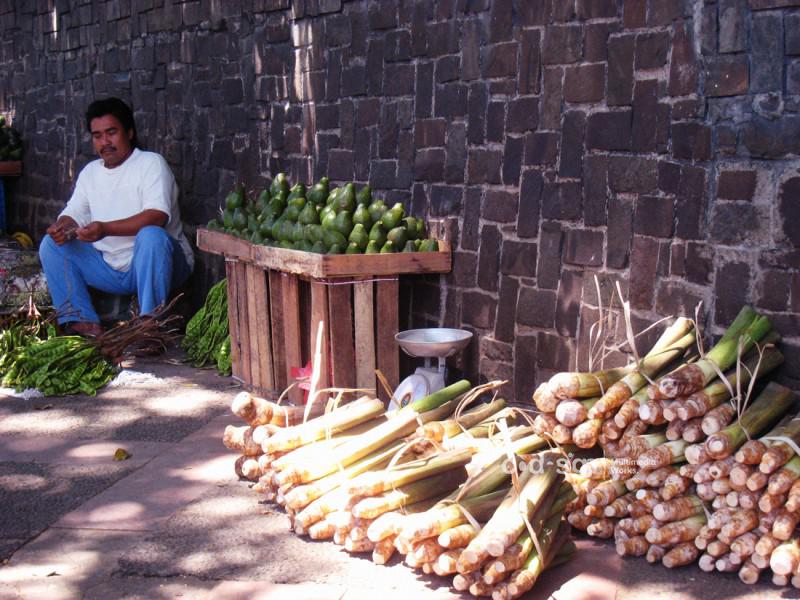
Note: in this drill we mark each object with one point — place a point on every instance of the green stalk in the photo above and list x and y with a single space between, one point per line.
766 410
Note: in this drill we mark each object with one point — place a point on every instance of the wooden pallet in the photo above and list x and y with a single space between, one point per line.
278 297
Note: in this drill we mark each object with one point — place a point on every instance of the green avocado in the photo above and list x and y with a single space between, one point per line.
388 248
392 217
352 248
277 205
298 232
298 191
362 216
328 220
372 248
364 195
213 224
346 200
318 193
318 247
292 213
359 236
378 234
398 236
331 237
429 245
309 214
227 218
236 198
239 219
410 246
335 249
279 184
343 222
376 210
266 226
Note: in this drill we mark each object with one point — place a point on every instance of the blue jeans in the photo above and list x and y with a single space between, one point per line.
158 266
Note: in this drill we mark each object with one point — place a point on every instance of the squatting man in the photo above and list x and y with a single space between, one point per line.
121 230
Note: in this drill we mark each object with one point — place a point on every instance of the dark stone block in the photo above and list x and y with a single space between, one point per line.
691 202
398 46
562 44
562 201
523 115
561 12
731 282
501 23
541 148
525 357
354 81
675 298
683 65
585 83
574 130
727 76
554 352
338 31
446 200
447 69
736 185
595 44
429 164
530 198
708 31
419 32
368 113
727 140
789 209
791 27
732 25
327 116
340 164
388 132
383 14
496 121
597 9
620 233
423 106
620 69
632 174
583 247
645 116
507 317
795 304
476 113
451 100
766 138
518 258
609 130
399 79
767 4
634 14
456 162
548 268
663 12
443 38
644 261
530 13
698 263
766 39
677 259
530 62
429 132
383 174
500 60
537 308
472 213
483 166
374 67
652 50
595 189
489 258
478 310
552 98
470 50
669 177
691 141
793 78
731 221
654 216
512 159
500 206
569 303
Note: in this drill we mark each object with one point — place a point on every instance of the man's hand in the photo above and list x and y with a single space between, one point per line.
63 230
92 232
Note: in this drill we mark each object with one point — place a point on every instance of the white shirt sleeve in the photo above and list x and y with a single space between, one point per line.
158 187
78 205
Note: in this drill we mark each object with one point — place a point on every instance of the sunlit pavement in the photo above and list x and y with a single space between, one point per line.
172 521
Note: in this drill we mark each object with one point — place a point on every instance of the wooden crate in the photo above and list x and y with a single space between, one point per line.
276 298
10 168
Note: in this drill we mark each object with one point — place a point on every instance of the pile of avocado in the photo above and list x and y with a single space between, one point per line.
322 220
10 142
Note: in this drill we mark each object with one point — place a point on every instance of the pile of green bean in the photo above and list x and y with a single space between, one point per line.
207 339
56 366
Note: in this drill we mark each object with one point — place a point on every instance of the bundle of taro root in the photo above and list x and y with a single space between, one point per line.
692 470
430 481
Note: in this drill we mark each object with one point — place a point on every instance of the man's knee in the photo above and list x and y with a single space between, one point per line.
152 236
48 249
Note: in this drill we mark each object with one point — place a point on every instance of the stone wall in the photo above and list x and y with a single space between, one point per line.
652 143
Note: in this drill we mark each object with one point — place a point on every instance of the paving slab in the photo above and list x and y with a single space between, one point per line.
65 451
166 484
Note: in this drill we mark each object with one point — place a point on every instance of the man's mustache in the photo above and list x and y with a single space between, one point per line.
108 149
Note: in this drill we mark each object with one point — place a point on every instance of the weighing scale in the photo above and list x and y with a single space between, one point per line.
430 343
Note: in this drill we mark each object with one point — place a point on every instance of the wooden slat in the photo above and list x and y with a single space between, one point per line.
217 242
340 316
319 313
364 334
322 266
290 286
233 320
252 327
244 320
277 335
388 323
260 323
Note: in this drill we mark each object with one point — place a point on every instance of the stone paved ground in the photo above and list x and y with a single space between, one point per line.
174 522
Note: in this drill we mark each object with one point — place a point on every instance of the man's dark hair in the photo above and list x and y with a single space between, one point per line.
116 108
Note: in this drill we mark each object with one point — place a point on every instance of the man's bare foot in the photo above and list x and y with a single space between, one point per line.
83 328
